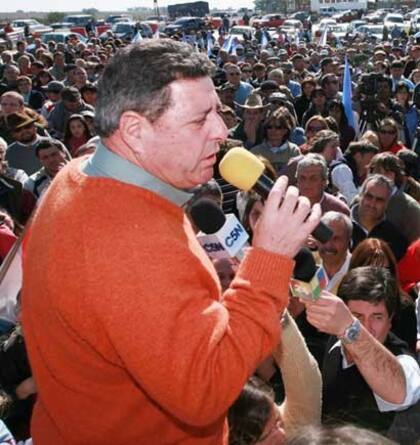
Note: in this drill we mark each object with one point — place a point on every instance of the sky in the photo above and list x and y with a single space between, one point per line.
106 5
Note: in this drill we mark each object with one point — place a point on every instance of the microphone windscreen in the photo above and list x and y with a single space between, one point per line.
241 168
207 216
305 266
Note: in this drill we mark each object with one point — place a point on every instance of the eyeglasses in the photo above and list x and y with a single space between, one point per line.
274 127
310 128
390 132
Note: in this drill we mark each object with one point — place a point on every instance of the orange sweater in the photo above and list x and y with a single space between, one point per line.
128 338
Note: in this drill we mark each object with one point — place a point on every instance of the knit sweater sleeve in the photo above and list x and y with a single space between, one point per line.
301 378
187 349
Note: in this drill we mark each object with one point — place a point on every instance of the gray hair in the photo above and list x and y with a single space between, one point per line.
313 159
379 180
329 217
137 78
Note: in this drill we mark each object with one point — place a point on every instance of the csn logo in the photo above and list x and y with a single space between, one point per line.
234 235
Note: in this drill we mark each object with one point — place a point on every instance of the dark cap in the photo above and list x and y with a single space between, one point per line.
53 87
268 85
70 94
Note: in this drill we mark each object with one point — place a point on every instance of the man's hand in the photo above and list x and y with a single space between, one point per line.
284 223
329 314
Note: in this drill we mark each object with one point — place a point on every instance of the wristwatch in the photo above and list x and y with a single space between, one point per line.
351 334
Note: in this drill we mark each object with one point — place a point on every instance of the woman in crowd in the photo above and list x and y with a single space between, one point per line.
318 105
388 136
347 133
314 125
403 97
276 146
42 79
76 133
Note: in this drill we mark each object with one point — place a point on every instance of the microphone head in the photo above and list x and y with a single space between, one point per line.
305 266
207 216
241 168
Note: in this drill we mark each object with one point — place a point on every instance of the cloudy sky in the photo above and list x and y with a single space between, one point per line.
105 5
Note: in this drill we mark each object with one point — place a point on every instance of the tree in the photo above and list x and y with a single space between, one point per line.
54 16
90 11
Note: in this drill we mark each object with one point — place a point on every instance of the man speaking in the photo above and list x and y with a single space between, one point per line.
128 336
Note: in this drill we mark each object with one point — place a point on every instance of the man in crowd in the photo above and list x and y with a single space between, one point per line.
133 347
243 89
53 158
21 153
71 103
368 373
369 216
312 180
335 253
403 211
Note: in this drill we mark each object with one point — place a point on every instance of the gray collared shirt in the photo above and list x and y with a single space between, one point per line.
107 164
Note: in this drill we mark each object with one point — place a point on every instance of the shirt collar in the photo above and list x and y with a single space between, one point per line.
108 164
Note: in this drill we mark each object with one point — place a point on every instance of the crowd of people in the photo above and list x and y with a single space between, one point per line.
131 334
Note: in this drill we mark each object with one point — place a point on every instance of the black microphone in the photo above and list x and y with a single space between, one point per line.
245 171
308 280
221 236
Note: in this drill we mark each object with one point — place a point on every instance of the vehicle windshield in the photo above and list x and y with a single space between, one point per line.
395 19
181 21
122 27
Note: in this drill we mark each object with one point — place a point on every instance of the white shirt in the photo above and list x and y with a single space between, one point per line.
342 178
411 372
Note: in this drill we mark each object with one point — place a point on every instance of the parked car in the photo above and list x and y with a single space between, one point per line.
185 24
79 19
371 30
61 25
242 33
300 15
339 31
346 16
327 11
354 24
62 36
35 28
127 30
111 19
397 20
291 26
269 21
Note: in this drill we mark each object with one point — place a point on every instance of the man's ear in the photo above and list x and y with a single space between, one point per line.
133 128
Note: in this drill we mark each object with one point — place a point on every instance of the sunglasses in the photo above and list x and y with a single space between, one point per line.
390 132
274 127
333 81
246 71
234 74
315 128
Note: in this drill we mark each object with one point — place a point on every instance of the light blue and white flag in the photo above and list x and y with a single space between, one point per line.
264 39
137 38
227 44
324 36
347 94
209 44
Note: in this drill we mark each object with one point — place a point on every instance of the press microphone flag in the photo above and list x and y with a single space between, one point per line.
221 236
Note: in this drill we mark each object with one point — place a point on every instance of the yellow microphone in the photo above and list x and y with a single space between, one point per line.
245 171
